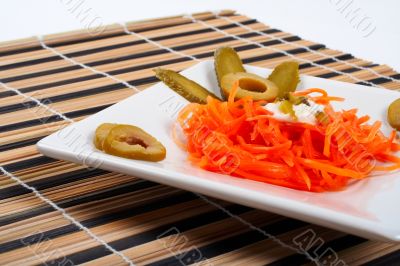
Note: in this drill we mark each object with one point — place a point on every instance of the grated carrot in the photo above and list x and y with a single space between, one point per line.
241 138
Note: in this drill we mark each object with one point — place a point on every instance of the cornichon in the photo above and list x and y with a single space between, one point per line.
249 85
286 77
286 107
129 142
393 114
190 90
226 61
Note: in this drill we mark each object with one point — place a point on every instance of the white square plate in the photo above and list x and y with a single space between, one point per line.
368 208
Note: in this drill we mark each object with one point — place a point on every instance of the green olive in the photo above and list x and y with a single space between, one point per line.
393 114
226 61
249 85
134 143
286 77
101 134
190 90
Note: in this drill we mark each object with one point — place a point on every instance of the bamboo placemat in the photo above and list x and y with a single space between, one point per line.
105 218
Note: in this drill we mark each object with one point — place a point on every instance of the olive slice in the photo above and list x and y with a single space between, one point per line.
190 90
249 85
286 77
393 114
134 143
101 134
226 61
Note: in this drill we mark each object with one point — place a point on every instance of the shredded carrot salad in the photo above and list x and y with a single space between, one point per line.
242 139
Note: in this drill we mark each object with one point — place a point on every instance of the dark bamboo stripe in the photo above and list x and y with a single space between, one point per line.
40 73
334 74
107 88
194 32
120 71
327 61
25 105
231 243
61 97
27 163
391 259
4 94
17 106
20 51
337 245
60 83
51 119
279 54
107 36
151 235
100 49
19 144
380 80
104 48
4 220
95 76
96 63
56 57
98 195
158 204
31 62
119 34
158 52
354 69
20 106
94 38
227 39
73 54
150 28
50 182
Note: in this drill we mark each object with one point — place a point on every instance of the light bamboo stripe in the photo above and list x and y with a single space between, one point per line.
70 192
198 237
109 232
265 252
67 216
86 211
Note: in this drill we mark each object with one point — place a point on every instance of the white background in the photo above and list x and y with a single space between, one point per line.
316 20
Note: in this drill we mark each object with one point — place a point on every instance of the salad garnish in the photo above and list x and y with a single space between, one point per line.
244 139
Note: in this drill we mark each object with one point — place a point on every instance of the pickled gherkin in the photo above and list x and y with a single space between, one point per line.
226 61
256 87
286 77
190 90
286 107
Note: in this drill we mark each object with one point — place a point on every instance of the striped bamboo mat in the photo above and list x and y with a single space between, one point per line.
106 218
